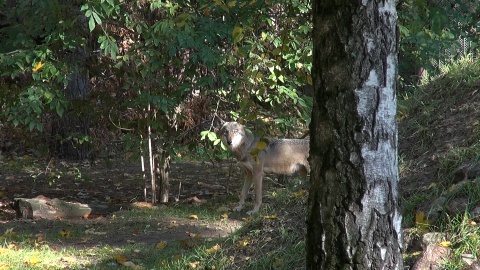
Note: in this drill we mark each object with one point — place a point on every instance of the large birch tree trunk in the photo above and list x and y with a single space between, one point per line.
353 216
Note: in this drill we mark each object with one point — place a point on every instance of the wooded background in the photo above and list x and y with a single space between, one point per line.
113 78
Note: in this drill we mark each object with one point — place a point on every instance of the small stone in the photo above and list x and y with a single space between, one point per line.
432 258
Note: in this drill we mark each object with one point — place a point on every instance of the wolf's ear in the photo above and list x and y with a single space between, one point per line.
221 131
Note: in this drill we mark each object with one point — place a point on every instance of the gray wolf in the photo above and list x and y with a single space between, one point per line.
277 156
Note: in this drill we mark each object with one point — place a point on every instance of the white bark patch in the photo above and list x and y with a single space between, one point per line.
370 44
363 96
383 251
388 8
351 249
378 151
372 79
397 223
391 75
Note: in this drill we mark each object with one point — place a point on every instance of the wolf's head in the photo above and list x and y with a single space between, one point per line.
232 134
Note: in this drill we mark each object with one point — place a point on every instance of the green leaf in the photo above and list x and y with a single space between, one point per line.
91 24
212 136
203 134
48 95
59 109
237 34
97 18
31 125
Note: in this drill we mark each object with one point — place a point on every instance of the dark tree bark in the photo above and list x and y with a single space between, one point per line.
74 124
70 129
353 216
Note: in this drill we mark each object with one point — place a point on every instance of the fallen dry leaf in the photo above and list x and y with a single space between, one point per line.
246 219
32 262
193 265
172 224
195 236
65 233
186 243
242 243
120 258
214 249
14 246
300 194
193 217
421 222
161 245
445 243
40 238
194 199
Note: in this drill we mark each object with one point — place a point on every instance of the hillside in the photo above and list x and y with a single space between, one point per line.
439 129
439 134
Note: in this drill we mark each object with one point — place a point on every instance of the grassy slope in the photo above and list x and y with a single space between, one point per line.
439 129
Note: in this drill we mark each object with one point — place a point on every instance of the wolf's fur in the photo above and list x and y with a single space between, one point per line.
281 156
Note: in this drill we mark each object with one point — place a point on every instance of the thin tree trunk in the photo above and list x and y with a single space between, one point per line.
353 217
151 156
163 174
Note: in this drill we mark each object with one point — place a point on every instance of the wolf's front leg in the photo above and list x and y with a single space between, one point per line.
243 195
257 181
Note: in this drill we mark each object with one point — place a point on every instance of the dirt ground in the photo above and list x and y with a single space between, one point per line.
117 183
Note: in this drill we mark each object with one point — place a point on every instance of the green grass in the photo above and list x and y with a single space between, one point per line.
463 235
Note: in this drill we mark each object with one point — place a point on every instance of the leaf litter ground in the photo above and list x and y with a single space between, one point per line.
191 184
202 194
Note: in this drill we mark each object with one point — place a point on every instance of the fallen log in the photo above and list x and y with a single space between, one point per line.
43 207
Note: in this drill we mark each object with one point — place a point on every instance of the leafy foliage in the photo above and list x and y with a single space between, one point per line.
432 32
35 58
159 71
165 65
